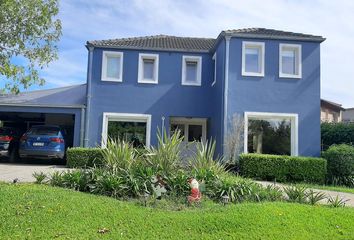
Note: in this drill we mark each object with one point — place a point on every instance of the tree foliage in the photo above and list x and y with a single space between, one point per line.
29 32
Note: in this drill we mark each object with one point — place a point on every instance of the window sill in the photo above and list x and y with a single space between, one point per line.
191 84
250 74
147 81
111 80
281 75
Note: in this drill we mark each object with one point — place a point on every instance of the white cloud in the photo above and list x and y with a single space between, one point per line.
102 19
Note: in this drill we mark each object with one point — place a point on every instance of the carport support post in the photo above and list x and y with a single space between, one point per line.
88 97
82 127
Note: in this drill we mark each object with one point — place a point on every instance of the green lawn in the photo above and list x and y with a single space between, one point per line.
41 212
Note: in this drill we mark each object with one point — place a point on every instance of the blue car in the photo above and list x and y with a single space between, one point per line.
44 142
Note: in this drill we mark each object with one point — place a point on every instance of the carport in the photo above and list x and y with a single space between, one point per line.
63 106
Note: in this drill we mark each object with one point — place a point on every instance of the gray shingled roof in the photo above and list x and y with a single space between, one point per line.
272 34
70 96
159 42
191 44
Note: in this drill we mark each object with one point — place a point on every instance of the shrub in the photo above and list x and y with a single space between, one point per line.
40 177
118 155
166 157
78 157
203 159
340 159
336 133
283 168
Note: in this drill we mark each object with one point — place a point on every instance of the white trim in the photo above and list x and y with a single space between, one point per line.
259 45
154 57
125 117
190 121
214 58
106 54
198 81
296 47
264 115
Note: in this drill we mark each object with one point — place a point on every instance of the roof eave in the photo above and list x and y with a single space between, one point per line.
264 36
149 49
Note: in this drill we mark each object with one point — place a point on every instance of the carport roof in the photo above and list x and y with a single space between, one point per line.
71 96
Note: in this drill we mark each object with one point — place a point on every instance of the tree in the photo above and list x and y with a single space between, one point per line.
29 32
234 139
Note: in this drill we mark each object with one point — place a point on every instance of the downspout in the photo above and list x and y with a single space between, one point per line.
88 97
226 89
82 126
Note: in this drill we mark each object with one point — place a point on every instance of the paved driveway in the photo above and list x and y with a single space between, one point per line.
23 172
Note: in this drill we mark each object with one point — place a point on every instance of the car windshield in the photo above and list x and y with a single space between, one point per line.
43 131
5 131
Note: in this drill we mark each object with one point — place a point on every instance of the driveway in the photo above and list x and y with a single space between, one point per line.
349 197
23 172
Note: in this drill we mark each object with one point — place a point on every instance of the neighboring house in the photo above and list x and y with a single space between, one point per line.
331 111
348 115
137 86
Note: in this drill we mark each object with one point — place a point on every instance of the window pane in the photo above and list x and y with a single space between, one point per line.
252 60
113 65
133 132
289 62
176 127
191 71
195 133
269 136
149 68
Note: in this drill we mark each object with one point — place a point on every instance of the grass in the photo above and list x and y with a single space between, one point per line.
30 211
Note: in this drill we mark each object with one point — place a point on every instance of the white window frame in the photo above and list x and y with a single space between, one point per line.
296 47
294 135
106 54
190 121
125 117
198 81
261 46
214 58
143 56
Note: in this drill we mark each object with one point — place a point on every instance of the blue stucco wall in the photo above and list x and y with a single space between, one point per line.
168 98
280 95
29 109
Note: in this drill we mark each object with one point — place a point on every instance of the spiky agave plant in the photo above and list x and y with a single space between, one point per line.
118 155
166 157
204 160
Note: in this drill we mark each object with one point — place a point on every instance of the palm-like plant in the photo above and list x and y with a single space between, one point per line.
166 157
204 159
118 155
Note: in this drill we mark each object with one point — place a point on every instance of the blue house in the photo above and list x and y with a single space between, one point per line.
268 79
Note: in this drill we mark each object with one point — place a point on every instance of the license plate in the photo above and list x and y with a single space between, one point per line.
38 144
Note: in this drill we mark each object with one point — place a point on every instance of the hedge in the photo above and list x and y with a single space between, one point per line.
283 168
340 159
336 133
78 157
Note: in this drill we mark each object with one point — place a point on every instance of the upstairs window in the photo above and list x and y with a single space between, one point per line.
192 71
148 68
253 59
290 61
112 66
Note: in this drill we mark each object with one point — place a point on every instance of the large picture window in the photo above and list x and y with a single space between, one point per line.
132 128
270 133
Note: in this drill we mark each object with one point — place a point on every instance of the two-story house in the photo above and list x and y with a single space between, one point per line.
269 78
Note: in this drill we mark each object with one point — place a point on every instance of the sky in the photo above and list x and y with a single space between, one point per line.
84 20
